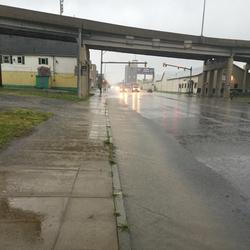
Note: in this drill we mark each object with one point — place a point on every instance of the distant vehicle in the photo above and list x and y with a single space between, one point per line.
135 88
123 89
150 91
236 91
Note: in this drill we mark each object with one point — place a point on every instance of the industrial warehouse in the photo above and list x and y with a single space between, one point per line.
206 83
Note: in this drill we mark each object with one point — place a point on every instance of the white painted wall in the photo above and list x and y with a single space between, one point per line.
65 65
172 85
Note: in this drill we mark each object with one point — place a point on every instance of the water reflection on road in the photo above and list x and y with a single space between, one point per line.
214 130
131 99
184 164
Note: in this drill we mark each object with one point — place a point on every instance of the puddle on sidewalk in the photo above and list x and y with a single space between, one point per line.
29 223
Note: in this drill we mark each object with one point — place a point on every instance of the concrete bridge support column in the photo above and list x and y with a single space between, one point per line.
218 83
207 83
215 77
204 79
82 68
229 72
210 83
244 84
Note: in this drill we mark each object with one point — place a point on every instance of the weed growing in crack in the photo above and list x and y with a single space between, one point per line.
124 227
117 214
107 142
116 194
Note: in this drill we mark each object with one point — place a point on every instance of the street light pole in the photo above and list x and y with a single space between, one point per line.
203 18
61 7
101 64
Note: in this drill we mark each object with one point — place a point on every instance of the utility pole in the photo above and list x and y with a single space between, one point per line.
79 63
101 65
61 7
203 18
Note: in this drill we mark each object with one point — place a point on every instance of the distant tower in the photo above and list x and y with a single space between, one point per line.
131 73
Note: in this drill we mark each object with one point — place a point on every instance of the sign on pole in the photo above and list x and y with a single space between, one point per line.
145 71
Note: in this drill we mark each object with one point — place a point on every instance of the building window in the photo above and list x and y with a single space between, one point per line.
195 85
7 59
20 60
185 85
43 60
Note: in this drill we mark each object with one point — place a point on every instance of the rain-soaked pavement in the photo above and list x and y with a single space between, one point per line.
56 183
185 171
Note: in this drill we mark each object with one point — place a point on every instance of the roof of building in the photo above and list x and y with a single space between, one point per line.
186 74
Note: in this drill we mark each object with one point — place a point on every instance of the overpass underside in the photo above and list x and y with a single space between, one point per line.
67 36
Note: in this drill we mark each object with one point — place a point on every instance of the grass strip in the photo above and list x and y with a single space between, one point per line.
63 95
245 99
17 122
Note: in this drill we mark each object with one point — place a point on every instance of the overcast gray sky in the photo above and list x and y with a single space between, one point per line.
224 18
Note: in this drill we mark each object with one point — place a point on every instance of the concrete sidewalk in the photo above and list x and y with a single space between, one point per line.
56 183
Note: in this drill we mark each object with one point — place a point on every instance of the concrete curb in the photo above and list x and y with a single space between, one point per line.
123 233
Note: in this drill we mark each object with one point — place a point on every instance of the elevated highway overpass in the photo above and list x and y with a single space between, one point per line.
73 36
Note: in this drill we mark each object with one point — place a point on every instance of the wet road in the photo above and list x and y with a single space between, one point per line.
185 172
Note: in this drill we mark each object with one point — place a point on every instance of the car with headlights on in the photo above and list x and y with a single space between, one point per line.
135 88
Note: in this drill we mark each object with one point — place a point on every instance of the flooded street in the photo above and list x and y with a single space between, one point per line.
184 166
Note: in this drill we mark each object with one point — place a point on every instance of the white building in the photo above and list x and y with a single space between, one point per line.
20 70
180 83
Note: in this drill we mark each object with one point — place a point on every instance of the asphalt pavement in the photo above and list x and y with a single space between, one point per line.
184 168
